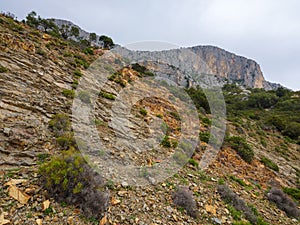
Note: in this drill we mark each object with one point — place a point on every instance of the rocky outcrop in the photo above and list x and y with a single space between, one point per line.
236 69
202 65
230 66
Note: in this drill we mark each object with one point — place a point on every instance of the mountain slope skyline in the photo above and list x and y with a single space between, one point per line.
265 31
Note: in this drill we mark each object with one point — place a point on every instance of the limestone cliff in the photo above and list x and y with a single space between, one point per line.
234 68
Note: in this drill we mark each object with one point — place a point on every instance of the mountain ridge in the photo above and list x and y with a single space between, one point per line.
228 66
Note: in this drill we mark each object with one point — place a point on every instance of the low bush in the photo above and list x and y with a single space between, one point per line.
184 198
241 146
166 142
88 51
239 204
107 95
175 115
66 140
60 124
204 136
3 69
238 180
268 163
293 192
283 202
68 93
69 179
77 73
292 130
143 71
75 84
194 163
143 112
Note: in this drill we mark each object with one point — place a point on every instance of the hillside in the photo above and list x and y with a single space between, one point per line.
44 179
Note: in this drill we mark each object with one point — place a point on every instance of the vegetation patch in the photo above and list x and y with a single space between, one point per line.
3 69
69 93
107 95
283 202
239 205
78 73
268 163
143 112
143 71
182 197
241 146
60 124
166 142
69 179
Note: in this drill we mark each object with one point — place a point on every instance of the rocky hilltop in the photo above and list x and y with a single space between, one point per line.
227 66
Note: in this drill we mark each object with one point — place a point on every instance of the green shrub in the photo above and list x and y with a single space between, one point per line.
262 100
238 180
268 163
142 70
204 136
263 143
59 124
107 95
166 142
241 223
69 179
241 146
175 115
143 112
75 84
199 99
174 143
236 215
206 121
3 69
277 122
292 130
88 51
159 116
66 140
194 163
82 62
77 73
116 77
68 93
293 192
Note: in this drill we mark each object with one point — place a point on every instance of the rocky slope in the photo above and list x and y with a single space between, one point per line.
36 71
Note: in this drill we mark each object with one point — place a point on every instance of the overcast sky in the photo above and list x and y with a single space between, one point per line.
267 31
